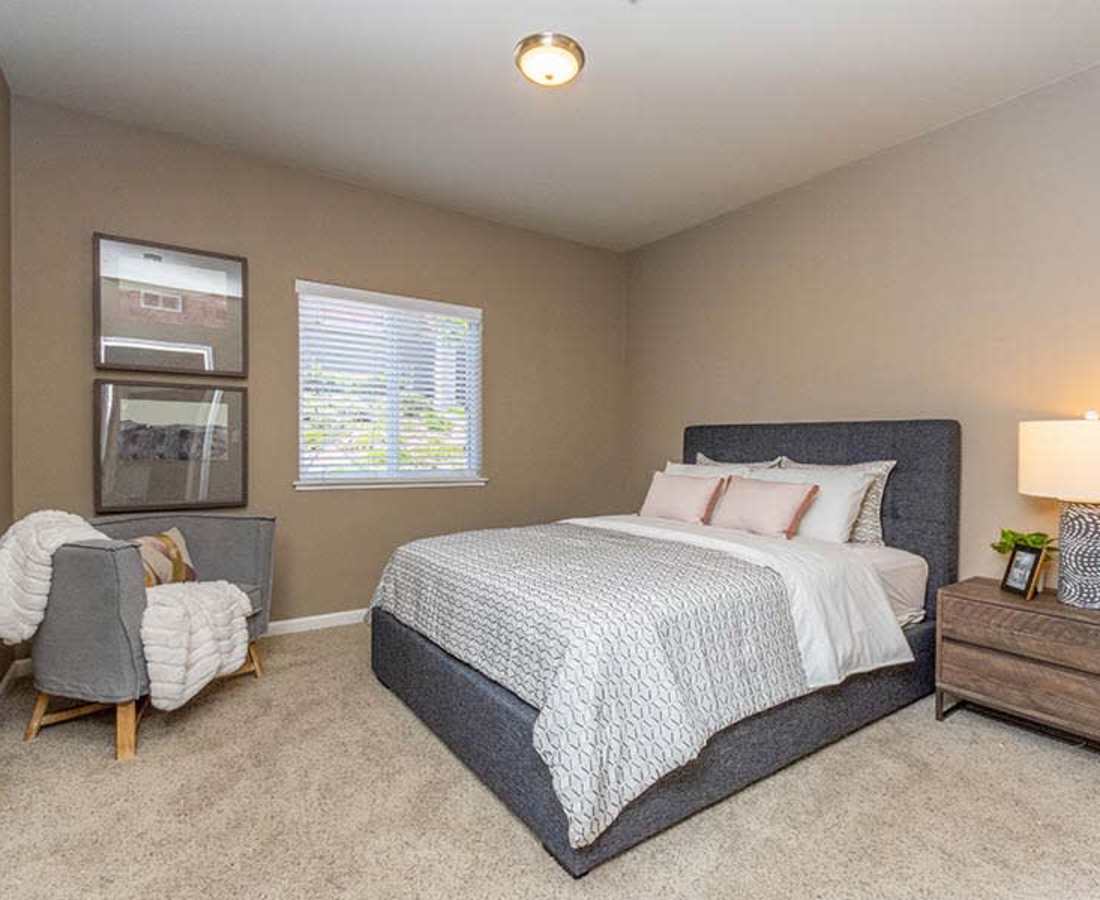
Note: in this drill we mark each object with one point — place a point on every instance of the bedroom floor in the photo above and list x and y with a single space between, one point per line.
316 782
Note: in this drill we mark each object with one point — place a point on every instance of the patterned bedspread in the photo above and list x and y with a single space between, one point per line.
634 650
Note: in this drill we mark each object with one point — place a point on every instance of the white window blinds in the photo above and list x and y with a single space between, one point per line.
389 389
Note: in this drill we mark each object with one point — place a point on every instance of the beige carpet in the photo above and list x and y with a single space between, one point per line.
315 782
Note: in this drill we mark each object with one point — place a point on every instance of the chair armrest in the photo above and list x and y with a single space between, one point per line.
89 643
238 549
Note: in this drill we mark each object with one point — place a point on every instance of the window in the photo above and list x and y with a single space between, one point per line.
166 302
389 390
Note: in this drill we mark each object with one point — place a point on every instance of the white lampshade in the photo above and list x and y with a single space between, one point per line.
1060 459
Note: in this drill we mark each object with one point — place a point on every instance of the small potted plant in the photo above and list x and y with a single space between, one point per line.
1031 541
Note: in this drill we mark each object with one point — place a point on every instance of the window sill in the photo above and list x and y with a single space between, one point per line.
394 483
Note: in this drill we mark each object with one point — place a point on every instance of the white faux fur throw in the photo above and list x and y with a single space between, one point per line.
26 568
191 633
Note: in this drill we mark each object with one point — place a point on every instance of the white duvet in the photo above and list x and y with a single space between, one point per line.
842 616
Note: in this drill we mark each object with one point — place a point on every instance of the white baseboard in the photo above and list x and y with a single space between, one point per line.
20 668
313 623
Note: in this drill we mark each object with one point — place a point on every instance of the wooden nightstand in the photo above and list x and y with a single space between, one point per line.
1037 659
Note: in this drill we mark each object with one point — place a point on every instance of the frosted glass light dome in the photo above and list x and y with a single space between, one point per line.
549 59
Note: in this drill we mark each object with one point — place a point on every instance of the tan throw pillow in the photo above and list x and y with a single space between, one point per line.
868 525
165 558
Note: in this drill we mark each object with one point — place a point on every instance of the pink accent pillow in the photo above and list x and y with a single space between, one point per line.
681 497
763 507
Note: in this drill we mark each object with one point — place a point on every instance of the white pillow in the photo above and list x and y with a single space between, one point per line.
703 460
868 526
713 469
840 493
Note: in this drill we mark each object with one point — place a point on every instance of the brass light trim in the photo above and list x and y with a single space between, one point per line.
547 39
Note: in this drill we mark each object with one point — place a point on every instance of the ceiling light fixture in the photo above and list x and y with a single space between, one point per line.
549 59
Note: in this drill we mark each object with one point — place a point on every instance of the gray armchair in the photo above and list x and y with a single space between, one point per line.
88 646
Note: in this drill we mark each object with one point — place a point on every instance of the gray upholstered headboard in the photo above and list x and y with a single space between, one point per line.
920 508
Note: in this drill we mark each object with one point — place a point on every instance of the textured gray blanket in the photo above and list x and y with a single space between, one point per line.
635 651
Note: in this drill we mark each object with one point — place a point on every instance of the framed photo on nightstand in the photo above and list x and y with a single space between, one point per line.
1022 574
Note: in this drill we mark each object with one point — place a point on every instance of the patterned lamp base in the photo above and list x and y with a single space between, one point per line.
1079 555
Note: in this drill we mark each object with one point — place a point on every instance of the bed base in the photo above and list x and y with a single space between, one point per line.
491 731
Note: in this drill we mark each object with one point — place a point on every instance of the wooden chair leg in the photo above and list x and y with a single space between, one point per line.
127 717
251 665
254 658
41 704
126 722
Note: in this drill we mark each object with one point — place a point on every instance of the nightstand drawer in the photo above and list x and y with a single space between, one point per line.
1036 635
1059 696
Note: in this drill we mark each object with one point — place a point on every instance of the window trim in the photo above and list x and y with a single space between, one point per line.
438 479
386 483
206 351
393 301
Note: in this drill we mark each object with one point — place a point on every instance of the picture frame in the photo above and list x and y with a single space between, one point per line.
169 446
166 308
1022 572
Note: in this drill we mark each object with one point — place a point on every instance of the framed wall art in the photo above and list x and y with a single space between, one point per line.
162 308
163 446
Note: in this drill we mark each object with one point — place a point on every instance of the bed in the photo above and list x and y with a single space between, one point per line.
492 730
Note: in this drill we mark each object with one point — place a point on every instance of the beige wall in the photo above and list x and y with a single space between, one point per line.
957 275
5 323
554 337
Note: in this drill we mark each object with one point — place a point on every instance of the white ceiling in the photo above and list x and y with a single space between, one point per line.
686 109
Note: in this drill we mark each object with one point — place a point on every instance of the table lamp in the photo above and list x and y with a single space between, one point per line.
1061 459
